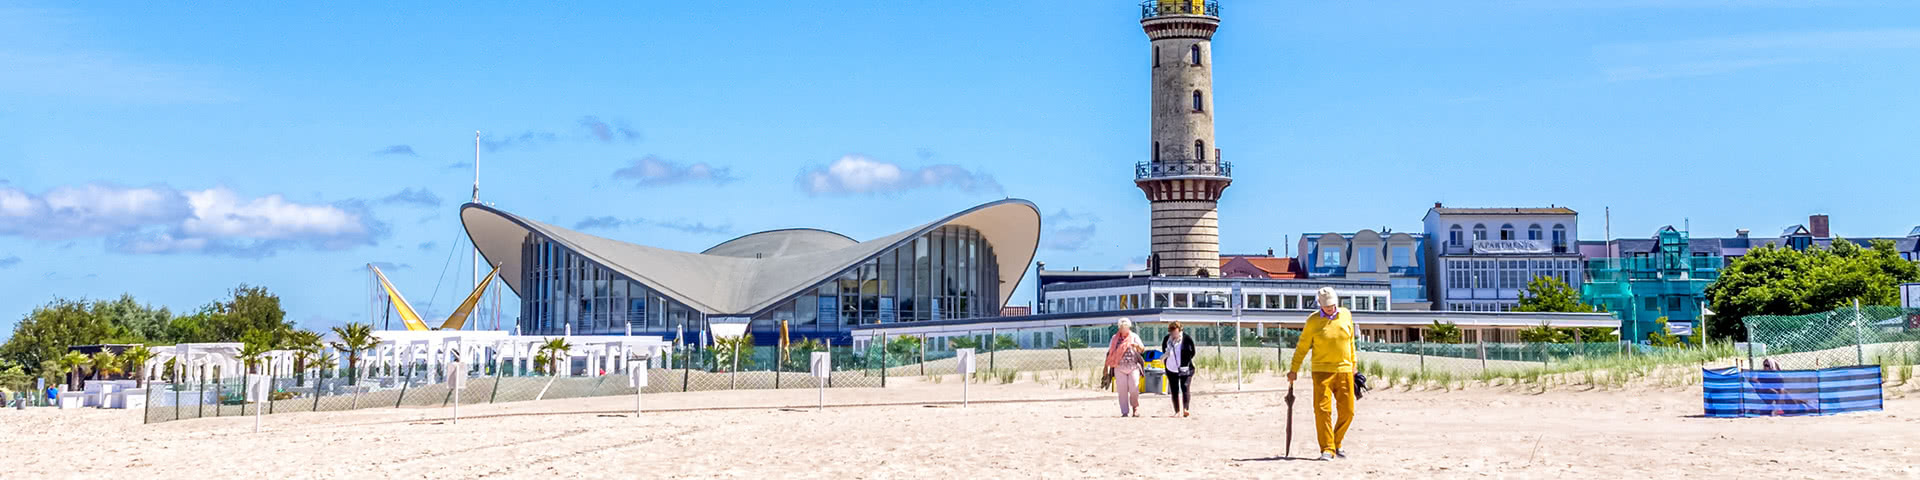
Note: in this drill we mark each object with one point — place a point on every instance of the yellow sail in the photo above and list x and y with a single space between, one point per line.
407 314
459 317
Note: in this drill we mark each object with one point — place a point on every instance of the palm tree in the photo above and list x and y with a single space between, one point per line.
540 363
305 344
556 349
321 364
71 363
253 349
354 338
104 363
136 358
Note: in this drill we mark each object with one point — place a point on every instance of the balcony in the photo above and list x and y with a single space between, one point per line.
1162 8
1145 170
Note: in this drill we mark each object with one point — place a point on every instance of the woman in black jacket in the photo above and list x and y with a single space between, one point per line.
1179 350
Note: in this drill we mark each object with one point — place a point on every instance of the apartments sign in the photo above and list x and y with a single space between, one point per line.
1510 246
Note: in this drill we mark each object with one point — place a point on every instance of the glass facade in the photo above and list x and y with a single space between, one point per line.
563 288
949 273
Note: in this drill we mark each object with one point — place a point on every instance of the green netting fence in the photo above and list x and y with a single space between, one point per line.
1864 335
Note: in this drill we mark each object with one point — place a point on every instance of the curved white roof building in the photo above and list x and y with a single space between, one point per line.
821 283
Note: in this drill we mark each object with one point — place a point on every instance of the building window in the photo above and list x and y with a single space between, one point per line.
1402 257
1559 239
1156 56
1273 302
1455 237
1197 105
1200 150
1195 52
1479 232
1653 304
1346 302
1329 257
1534 233
1180 300
1293 302
1506 232
1156 152
1162 300
1365 258
1380 303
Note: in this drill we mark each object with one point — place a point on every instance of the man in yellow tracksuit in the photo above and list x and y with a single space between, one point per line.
1329 335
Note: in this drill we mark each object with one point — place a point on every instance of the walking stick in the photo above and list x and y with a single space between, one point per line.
1289 398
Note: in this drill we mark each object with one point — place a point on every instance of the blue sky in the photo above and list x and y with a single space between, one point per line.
174 151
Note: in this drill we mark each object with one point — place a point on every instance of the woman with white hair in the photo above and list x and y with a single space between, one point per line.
1329 335
1123 359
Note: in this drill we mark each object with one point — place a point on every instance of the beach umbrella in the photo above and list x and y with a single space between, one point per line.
1289 398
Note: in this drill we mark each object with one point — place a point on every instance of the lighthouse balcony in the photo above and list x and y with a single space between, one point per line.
1163 8
1189 168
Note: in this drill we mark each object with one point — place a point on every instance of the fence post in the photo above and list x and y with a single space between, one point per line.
1423 356
779 358
686 368
883 360
1859 353
406 380
733 372
319 379
923 355
269 400
499 374
1483 356
829 361
993 344
1066 342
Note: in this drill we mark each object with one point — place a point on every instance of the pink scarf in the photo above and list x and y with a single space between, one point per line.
1118 348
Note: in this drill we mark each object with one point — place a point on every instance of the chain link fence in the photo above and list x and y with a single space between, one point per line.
1063 357
1858 335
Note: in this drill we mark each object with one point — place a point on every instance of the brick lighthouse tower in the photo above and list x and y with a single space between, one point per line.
1185 175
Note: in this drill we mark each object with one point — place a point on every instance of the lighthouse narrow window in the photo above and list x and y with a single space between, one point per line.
1200 150
1156 152
1196 101
1196 54
1156 56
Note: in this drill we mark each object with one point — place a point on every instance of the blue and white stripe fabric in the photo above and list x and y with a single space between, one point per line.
1729 392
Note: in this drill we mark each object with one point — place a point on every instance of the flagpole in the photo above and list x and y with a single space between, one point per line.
474 255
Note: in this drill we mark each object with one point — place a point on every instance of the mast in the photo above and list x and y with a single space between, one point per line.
474 255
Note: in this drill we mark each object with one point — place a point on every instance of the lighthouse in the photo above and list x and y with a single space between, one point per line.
1184 176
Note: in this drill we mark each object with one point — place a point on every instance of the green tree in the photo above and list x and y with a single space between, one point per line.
1442 332
138 323
45 333
728 350
305 345
904 348
136 360
1075 342
1549 294
354 338
1597 335
801 352
1781 281
1005 342
71 363
254 347
555 349
250 308
963 342
14 377
104 363
1544 334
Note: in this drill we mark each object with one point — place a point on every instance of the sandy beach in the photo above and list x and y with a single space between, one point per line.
1022 430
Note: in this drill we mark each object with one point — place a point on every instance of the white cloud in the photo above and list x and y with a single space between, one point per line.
413 196
1066 231
855 174
651 171
163 220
